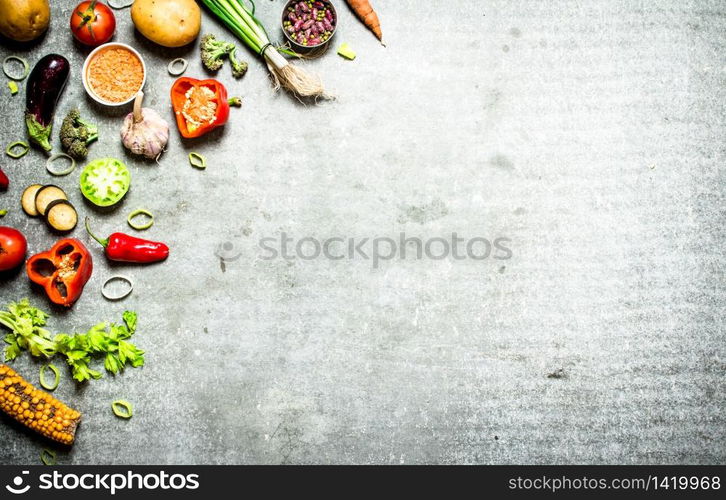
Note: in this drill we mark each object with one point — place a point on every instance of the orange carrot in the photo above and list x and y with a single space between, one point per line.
367 15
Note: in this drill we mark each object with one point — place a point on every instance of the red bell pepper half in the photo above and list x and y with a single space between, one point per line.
62 271
200 106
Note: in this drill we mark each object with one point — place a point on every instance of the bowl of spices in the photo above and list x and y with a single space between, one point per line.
113 74
309 24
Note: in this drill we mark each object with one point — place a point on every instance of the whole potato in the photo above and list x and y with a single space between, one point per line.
24 20
171 23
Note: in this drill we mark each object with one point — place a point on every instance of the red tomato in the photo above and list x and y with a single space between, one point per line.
92 23
12 248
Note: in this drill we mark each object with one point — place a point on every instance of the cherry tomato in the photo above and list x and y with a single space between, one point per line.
93 23
12 248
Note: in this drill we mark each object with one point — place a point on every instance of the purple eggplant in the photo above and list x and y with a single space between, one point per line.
45 86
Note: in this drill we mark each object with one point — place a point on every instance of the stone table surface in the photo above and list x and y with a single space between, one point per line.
586 137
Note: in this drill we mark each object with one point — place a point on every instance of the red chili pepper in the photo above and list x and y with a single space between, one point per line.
4 181
62 271
124 248
195 99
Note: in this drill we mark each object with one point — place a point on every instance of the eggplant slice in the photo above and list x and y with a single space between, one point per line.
61 215
46 195
27 200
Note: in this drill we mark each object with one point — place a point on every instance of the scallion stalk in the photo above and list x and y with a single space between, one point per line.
241 21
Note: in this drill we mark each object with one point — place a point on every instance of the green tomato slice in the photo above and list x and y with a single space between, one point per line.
105 181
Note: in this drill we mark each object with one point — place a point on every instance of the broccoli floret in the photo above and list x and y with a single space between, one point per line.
76 134
213 51
239 68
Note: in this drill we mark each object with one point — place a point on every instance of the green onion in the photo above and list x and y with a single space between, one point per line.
24 149
241 21
145 225
47 457
66 171
197 161
122 409
26 68
44 383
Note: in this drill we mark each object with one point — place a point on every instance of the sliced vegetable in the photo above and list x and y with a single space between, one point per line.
122 247
46 195
123 295
65 171
178 66
61 215
13 87
347 52
143 225
15 76
24 148
47 457
122 409
144 131
105 181
49 386
45 86
200 106
4 181
197 161
3 212
62 271
28 405
27 200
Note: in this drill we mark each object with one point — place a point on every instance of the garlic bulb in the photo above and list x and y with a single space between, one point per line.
144 131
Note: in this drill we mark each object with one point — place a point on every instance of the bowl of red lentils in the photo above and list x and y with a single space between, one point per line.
113 74
309 24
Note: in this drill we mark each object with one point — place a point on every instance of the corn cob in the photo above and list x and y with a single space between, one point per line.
36 409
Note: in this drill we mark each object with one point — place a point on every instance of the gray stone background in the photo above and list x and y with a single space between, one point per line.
589 133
